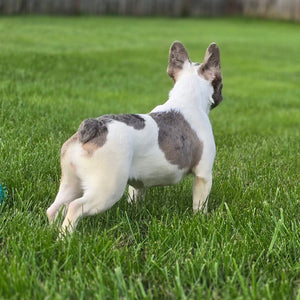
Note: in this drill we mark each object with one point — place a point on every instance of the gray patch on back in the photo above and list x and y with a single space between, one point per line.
136 121
177 139
95 130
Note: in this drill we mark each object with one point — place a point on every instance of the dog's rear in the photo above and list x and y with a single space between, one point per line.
159 148
94 171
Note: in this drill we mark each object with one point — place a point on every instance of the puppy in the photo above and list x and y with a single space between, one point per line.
144 150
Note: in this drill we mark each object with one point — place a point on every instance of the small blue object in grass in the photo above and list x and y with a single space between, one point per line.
3 193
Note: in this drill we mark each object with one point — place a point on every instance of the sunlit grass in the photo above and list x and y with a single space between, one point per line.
54 72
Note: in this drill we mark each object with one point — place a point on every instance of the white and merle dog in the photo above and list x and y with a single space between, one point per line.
144 150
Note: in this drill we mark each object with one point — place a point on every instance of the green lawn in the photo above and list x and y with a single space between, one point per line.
55 72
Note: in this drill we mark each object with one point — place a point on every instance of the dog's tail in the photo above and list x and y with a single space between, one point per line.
90 129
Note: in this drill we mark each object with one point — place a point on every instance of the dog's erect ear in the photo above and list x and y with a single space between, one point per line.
211 66
178 57
211 71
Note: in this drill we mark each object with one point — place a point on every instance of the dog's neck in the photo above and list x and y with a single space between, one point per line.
191 91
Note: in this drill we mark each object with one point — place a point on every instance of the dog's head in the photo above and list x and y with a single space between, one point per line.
210 70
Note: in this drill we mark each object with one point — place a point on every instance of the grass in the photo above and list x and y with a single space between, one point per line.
56 71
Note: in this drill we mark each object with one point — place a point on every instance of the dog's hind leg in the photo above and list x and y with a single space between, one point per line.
91 203
135 194
69 190
201 190
102 189
70 187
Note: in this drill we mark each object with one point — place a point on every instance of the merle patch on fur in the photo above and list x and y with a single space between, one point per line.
136 121
95 130
177 139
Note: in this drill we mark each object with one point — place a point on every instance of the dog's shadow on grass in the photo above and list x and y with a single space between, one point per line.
162 205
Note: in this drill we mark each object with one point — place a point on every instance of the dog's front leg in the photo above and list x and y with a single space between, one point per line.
135 194
201 190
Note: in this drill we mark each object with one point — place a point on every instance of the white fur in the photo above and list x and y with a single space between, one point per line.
93 183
